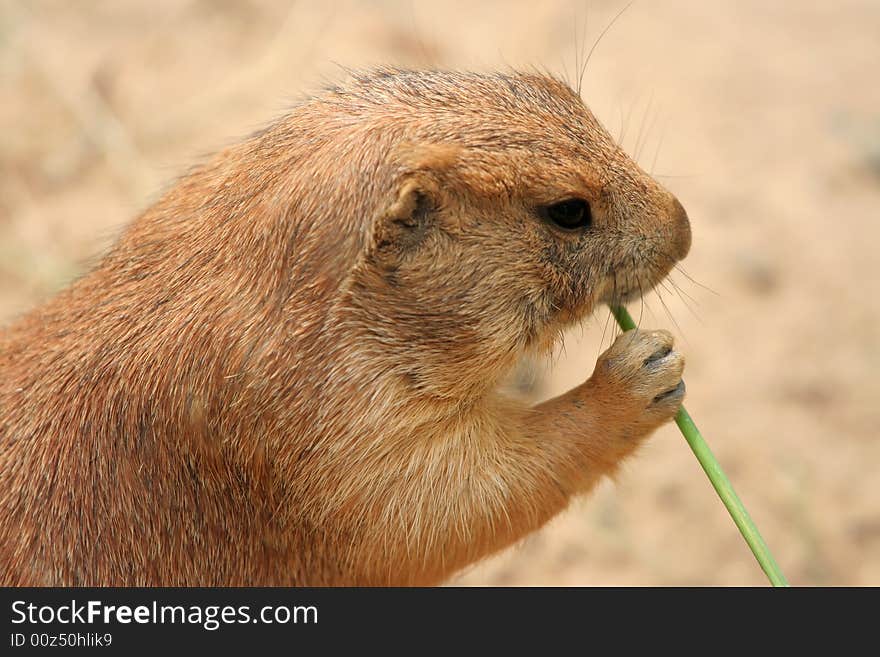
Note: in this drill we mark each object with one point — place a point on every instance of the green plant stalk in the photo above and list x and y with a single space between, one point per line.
719 480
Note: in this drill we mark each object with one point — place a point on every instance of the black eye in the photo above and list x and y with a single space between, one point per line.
570 214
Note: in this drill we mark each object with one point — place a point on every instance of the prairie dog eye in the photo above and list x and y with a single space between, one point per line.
571 214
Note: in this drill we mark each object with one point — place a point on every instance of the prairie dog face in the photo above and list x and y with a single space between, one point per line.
512 214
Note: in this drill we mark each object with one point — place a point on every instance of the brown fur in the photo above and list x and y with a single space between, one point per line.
286 370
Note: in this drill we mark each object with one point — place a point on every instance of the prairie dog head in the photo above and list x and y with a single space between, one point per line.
438 225
508 214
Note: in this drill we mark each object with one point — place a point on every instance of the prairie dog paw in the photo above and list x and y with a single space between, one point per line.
641 375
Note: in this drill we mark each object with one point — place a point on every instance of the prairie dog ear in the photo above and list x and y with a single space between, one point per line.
404 223
409 215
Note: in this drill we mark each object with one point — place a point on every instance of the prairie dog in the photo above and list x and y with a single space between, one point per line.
285 371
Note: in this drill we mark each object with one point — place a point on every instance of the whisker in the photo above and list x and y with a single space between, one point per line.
663 285
650 123
604 32
629 113
659 145
565 76
665 307
562 352
581 64
687 305
652 318
695 282
656 251
641 294
681 292
672 317
686 298
604 329
577 53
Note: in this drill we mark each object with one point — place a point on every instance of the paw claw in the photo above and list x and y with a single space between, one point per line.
645 373
660 354
677 391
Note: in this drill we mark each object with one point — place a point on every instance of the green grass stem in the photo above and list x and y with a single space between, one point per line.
719 480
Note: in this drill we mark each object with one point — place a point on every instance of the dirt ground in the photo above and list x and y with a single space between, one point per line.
763 118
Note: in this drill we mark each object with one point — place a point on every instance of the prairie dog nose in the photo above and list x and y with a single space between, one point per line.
679 229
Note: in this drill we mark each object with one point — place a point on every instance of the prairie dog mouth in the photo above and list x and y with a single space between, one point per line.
620 297
617 294
620 289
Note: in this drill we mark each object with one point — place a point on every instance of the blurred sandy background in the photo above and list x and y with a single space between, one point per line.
763 118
